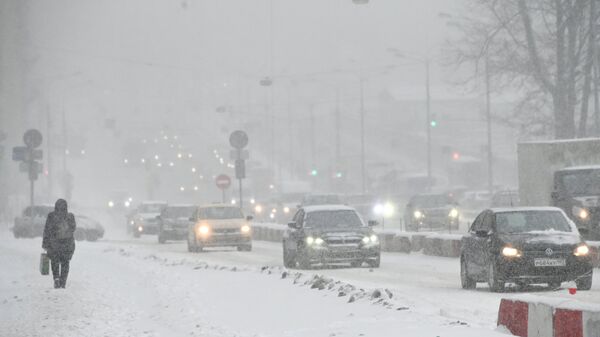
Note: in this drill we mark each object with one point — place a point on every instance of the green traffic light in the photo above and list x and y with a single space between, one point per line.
338 175
314 173
433 123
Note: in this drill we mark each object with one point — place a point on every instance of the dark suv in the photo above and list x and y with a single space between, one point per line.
524 246
174 222
329 234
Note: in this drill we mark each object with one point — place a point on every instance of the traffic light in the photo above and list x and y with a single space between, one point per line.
339 174
455 155
314 172
433 122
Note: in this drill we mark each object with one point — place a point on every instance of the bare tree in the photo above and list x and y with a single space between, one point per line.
540 51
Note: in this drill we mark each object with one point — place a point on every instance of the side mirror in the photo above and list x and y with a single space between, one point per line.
482 234
584 231
373 223
293 225
249 218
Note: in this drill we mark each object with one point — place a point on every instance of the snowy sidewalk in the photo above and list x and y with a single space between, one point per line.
118 291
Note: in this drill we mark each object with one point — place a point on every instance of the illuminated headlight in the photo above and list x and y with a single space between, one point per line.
319 241
510 252
203 230
581 213
418 214
286 210
140 228
272 215
245 229
453 213
388 209
310 240
111 204
582 250
127 203
370 239
258 209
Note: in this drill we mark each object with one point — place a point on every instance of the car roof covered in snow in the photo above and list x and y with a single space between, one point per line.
153 202
583 167
320 208
524 209
180 205
218 205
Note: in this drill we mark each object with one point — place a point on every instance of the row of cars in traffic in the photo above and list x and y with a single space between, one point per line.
520 245
32 220
317 233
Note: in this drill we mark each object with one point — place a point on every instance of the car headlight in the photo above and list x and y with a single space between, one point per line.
310 240
132 222
127 203
418 214
258 209
374 238
582 250
286 210
140 228
245 229
203 230
319 241
511 252
453 213
581 213
111 204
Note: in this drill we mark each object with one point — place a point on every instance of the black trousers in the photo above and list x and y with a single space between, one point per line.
60 268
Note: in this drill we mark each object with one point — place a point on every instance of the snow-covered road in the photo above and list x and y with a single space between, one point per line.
140 288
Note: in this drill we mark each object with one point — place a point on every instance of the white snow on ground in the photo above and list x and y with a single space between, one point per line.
140 288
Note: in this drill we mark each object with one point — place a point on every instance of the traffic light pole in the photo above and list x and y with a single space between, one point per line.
362 138
241 194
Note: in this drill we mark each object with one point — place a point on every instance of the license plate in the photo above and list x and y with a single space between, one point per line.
550 262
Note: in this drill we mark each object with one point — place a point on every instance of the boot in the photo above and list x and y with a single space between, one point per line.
57 283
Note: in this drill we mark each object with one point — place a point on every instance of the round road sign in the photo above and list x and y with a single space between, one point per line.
32 138
238 139
223 181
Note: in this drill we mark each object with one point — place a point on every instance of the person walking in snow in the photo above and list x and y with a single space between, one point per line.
59 242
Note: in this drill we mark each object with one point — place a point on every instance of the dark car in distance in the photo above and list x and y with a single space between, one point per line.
433 212
524 245
174 221
330 234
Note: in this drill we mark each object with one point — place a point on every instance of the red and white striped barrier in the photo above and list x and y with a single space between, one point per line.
549 317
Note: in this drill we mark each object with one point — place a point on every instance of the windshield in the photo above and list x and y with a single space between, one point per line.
582 182
179 212
342 218
151 208
531 221
218 213
430 201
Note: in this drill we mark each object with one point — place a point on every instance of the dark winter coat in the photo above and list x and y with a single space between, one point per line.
58 233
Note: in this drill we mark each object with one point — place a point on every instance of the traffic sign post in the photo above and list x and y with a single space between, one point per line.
239 140
27 157
223 182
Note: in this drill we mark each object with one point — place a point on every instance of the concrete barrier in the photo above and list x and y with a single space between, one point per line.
532 316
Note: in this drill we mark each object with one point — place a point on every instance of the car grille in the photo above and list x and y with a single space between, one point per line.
225 230
343 240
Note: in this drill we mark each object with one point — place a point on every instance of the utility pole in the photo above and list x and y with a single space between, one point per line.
313 144
428 108
362 138
338 123
488 112
49 152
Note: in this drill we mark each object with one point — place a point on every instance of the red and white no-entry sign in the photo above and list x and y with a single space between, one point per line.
223 181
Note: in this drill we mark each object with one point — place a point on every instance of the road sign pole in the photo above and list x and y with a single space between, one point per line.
31 200
241 200
223 195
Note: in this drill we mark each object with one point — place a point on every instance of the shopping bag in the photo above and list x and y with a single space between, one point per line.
44 264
